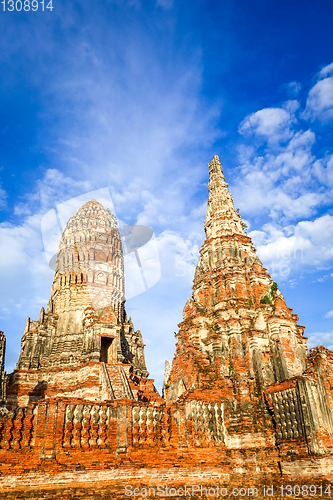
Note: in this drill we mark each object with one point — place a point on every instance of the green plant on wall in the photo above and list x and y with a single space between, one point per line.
266 300
213 328
270 296
112 215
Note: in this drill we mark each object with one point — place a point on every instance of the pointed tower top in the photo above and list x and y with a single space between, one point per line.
215 167
227 245
90 258
93 202
92 213
221 219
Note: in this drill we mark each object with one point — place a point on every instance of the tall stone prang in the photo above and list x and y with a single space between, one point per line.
2 372
85 321
237 323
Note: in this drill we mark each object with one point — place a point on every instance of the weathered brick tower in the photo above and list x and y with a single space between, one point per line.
238 339
245 406
83 345
236 325
2 374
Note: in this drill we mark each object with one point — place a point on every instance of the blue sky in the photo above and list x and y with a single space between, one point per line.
137 96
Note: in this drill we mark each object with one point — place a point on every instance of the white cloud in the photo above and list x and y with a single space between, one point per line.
165 4
326 71
319 104
279 176
179 256
23 265
274 124
323 170
14 246
291 106
54 187
329 314
293 88
199 212
3 197
321 338
296 156
308 244
280 183
152 209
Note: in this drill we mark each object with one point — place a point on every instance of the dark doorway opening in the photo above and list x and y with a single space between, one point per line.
106 349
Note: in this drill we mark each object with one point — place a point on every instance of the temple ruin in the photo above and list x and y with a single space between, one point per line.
245 404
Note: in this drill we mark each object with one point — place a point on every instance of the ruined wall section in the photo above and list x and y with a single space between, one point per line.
196 431
302 418
64 432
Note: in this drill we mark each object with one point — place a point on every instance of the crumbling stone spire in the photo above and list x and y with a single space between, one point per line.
236 325
90 253
227 245
221 217
85 321
2 374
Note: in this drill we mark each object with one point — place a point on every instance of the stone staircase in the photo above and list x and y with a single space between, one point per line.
118 381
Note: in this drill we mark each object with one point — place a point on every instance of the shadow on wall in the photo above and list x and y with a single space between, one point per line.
38 392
